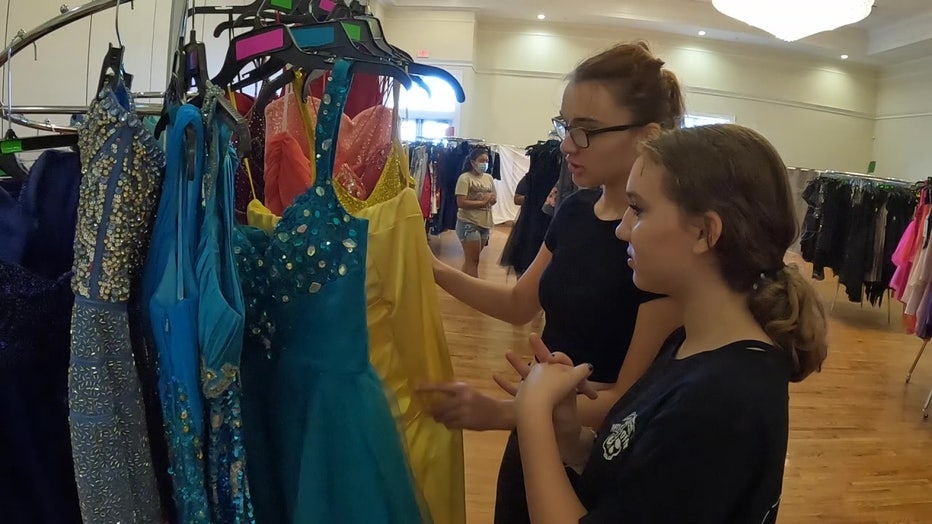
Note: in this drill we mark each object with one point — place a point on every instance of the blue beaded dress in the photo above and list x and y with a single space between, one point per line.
220 328
170 292
121 164
322 443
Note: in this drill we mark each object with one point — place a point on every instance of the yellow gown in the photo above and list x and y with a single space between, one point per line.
407 344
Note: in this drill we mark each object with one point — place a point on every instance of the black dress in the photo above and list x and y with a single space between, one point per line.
591 303
531 226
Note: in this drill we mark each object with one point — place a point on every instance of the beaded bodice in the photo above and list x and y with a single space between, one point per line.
314 245
125 164
121 167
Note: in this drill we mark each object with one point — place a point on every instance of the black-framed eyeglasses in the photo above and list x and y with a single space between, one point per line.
581 136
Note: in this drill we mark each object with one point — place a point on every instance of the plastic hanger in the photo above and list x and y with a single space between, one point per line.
357 32
287 46
255 7
190 70
9 164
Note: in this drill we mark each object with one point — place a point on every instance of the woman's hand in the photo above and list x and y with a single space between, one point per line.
466 408
566 421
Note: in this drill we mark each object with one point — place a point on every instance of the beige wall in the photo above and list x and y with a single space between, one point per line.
903 147
819 115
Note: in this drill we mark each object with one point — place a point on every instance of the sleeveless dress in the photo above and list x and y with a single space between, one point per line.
407 342
289 172
319 432
409 348
220 327
119 190
171 291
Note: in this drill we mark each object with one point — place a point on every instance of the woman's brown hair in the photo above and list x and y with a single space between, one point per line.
638 81
736 173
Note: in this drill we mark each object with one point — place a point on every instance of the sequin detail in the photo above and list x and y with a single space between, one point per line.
394 178
121 164
171 294
307 348
220 330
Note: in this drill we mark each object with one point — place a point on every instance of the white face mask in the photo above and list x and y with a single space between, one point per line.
482 167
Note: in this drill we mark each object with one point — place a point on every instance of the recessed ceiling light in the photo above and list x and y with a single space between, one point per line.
701 33
844 57
541 16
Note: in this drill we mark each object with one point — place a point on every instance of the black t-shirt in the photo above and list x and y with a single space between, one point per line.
587 291
522 187
699 440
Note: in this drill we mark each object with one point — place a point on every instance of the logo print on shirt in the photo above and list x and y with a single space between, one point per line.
620 438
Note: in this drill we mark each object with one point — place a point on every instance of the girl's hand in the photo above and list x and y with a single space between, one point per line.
566 422
464 407
542 356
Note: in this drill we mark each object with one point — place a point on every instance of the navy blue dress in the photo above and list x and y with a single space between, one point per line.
36 233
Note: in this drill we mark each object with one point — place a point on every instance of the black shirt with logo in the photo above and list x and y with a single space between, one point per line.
697 440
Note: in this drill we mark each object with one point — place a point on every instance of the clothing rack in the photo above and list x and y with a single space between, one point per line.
860 176
868 178
925 184
67 16
24 39
15 114
815 218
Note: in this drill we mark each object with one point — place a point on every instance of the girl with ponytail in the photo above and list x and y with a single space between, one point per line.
702 437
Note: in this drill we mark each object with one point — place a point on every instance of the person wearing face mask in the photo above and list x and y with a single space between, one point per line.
613 101
475 196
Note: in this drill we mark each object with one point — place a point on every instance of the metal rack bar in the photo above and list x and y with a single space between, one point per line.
67 17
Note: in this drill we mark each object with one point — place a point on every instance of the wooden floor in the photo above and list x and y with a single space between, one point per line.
859 449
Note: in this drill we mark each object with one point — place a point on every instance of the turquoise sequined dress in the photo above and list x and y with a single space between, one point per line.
322 443
195 307
220 329
170 288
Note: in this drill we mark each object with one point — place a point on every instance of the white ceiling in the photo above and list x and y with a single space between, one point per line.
897 30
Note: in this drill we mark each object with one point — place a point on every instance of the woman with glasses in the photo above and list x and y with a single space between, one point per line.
613 101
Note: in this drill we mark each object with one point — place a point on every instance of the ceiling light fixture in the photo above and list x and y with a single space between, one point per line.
794 19
701 33
541 16
844 57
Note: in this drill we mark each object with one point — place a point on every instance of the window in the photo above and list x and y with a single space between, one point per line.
706 119
428 116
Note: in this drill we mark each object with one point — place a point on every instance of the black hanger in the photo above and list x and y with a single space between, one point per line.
111 72
255 7
254 14
362 35
190 69
272 87
283 45
414 68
